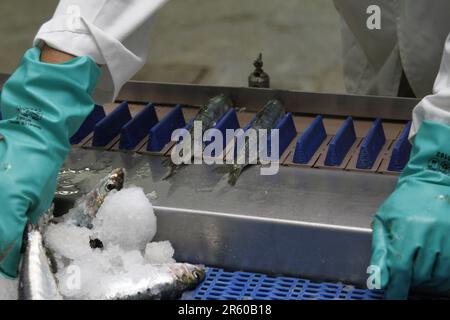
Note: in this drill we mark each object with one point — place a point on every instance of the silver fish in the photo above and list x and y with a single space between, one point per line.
86 207
267 118
208 116
36 278
169 281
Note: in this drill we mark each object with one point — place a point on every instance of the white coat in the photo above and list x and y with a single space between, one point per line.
412 38
114 33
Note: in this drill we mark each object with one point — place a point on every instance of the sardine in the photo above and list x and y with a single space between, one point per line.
36 279
86 207
166 282
267 118
208 115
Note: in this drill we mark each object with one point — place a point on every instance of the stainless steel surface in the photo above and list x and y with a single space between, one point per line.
389 108
305 222
254 98
310 223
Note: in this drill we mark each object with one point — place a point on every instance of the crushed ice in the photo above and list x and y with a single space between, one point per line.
126 225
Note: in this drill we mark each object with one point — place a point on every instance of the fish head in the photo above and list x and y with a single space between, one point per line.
196 273
94 199
189 275
113 181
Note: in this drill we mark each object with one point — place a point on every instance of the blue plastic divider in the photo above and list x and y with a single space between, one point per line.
110 126
310 141
161 133
222 285
228 121
287 133
341 143
371 146
88 125
401 151
137 128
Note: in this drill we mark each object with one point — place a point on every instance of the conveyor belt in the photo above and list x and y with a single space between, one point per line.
223 285
306 141
301 222
312 220
350 132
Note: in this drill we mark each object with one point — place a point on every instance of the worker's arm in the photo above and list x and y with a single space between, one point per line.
50 55
42 104
411 231
115 34
51 93
436 107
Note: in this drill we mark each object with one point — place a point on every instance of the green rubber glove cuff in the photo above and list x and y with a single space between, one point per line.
42 105
411 231
430 155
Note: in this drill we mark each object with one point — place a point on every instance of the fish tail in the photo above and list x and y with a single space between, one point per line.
234 174
166 162
172 170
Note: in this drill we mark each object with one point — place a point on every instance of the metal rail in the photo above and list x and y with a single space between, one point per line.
253 99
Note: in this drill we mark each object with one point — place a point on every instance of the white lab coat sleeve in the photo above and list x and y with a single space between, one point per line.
435 107
114 33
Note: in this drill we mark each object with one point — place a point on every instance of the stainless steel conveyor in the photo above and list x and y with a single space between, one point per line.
310 220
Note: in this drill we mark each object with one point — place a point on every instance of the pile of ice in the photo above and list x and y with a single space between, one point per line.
126 225
126 218
91 276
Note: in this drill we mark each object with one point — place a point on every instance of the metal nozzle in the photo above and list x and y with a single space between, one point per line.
258 78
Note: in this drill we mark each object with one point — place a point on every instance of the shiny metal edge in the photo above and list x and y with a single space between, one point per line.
388 108
275 247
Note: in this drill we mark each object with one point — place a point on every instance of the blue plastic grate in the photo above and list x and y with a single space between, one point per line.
222 285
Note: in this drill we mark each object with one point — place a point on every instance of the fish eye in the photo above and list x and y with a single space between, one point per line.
196 275
110 186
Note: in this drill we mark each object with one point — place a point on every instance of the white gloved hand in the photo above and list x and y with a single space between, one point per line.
114 33
435 107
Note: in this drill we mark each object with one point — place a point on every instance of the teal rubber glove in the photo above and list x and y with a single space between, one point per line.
411 231
42 106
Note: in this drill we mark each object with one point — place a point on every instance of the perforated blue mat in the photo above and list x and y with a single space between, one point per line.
222 285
